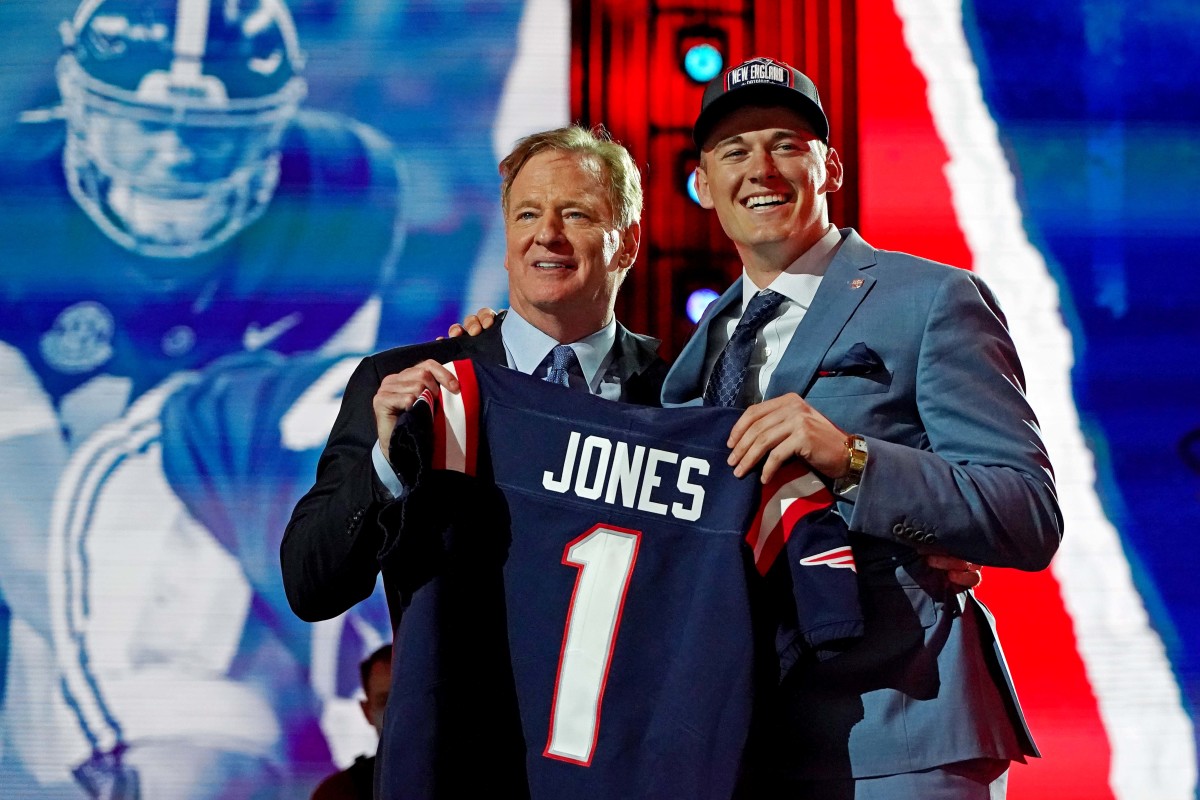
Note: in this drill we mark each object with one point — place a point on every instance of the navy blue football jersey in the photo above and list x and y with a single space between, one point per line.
587 603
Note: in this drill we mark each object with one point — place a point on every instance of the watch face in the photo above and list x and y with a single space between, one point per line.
858 455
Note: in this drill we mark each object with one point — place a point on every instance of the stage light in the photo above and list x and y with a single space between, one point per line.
699 300
703 62
691 187
702 51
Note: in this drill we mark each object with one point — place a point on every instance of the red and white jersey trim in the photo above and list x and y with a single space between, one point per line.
456 421
793 493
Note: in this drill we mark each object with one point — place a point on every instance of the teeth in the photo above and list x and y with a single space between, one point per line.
765 200
548 264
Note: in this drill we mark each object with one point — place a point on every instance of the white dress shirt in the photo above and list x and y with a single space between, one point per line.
798 284
527 349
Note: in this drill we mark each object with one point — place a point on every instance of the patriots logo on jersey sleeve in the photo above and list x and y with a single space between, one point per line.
838 558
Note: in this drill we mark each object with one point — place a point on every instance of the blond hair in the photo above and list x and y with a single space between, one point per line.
610 160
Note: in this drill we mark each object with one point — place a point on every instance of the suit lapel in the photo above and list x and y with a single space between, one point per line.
637 364
685 380
635 353
845 285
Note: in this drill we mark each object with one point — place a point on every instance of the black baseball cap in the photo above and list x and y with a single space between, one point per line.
764 82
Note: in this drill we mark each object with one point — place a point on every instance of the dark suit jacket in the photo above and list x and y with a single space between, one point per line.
915 357
330 547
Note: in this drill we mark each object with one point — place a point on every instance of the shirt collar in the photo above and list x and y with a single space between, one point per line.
527 347
799 282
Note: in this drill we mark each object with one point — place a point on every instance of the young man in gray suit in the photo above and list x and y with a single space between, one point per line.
896 379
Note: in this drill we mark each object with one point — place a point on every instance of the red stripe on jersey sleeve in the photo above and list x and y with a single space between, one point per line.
469 389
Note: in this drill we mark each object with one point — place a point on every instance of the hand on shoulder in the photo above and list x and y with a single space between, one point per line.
474 324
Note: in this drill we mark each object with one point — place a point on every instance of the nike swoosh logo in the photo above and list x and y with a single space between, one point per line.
256 338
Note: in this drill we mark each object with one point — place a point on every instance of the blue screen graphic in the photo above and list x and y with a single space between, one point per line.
1104 132
208 211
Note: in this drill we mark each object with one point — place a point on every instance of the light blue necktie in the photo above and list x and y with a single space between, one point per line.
563 362
729 373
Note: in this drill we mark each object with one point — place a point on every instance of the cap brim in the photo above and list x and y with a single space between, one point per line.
760 95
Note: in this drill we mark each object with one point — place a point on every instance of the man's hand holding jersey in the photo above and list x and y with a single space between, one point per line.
398 392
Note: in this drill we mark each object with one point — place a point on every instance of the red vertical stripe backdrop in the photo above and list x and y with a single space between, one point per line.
905 205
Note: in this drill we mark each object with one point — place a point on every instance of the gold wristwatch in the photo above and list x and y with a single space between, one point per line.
856 448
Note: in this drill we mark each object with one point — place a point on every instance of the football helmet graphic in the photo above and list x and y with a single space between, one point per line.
175 110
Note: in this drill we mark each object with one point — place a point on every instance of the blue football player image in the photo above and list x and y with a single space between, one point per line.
175 205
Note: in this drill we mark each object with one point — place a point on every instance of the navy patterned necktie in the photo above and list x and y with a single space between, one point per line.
729 373
563 362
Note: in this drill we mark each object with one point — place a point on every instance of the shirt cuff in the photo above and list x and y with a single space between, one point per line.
849 496
387 476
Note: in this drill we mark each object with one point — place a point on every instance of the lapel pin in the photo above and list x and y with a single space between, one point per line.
857 283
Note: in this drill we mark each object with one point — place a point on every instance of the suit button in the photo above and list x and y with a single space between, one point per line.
898 530
929 537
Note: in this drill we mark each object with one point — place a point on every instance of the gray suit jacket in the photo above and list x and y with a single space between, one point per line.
330 547
914 356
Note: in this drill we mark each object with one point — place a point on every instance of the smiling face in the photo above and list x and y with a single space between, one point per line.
565 257
767 174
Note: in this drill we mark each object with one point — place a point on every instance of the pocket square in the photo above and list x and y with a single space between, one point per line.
858 360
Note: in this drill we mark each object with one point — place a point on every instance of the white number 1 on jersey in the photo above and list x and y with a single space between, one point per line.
604 557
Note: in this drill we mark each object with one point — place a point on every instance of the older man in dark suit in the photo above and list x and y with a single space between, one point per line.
572 202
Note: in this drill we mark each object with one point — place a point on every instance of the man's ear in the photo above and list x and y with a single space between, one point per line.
833 170
702 190
631 239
